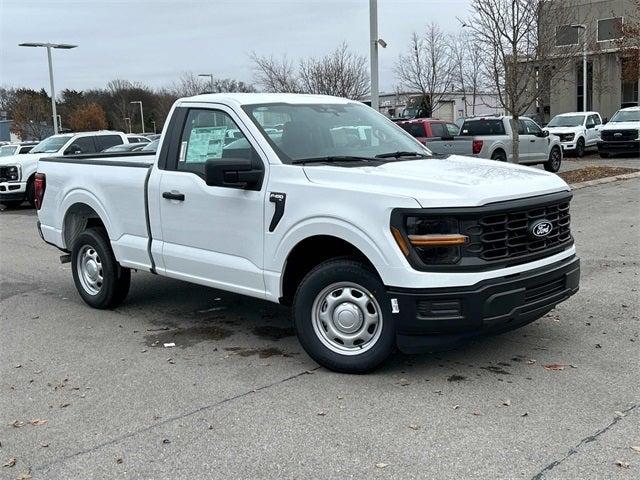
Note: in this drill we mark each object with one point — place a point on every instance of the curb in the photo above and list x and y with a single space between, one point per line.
600 181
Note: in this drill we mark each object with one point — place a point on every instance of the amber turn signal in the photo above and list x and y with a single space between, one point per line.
402 243
437 240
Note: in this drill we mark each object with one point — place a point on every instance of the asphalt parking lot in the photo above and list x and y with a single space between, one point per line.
95 394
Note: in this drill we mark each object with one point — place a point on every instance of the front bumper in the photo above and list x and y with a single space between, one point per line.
628 146
13 191
441 318
568 145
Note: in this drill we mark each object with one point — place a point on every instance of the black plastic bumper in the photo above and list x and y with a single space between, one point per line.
441 318
612 148
12 197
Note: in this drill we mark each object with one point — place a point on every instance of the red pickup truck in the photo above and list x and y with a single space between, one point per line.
424 128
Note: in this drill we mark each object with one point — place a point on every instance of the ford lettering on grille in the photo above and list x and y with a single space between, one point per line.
541 228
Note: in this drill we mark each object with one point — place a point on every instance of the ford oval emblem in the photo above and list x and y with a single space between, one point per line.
541 228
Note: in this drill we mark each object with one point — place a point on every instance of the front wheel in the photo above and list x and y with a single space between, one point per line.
100 280
580 146
555 160
343 318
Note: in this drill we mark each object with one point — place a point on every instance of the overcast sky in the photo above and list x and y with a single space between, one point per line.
153 41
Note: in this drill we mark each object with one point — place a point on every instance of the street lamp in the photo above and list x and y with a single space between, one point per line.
154 126
210 75
127 121
141 114
59 122
49 46
584 63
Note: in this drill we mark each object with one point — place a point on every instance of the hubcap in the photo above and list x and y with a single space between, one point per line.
90 271
347 318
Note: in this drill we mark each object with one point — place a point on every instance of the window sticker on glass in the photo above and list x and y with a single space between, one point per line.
205 143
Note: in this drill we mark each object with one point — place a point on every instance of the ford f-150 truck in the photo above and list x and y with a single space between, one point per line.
621 134
375 243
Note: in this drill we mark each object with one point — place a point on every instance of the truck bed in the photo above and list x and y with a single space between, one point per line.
458 145
116 184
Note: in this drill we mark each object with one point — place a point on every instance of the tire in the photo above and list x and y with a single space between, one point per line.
555 160
31 192
499 155
100 280
580 146
320 326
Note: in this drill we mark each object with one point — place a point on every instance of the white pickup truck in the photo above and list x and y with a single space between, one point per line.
621 134
375 243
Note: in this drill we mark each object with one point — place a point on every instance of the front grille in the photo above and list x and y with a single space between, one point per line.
618 135
507 236
4 174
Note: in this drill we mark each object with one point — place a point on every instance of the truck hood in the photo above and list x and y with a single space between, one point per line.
436 182
559 130
18 159
621 126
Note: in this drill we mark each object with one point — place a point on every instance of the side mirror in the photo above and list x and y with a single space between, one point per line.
73 149
233 173
543 133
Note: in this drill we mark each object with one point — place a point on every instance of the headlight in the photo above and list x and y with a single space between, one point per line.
12 173
567 137
435 240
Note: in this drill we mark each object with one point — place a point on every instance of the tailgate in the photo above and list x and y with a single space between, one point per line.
450 146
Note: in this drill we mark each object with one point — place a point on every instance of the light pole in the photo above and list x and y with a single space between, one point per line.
59 122
127 121
584 63
154 126
210 75
141 113
374 42
49 46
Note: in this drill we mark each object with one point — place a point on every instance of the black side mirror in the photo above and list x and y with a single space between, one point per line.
233 173
73 149
543 133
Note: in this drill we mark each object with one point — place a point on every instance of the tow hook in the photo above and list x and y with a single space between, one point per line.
66 258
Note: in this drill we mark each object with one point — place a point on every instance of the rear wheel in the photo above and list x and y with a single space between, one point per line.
580 148
100 280
555 160
31 192
342 317
499 155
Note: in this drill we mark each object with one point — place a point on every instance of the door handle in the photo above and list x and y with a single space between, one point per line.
173 196
532 141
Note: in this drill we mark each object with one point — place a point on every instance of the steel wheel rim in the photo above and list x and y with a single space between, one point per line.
347 318
90 270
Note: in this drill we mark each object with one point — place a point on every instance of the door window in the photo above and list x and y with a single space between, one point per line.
85 144
438 130
106 141
211 135
453 129
591 122
532 128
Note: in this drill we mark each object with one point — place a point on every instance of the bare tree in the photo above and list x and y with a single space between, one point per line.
188 85
341 73
518 47
428 66
468 73
275 75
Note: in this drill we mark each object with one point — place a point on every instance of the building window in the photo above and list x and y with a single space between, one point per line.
579 83
566 35
609 29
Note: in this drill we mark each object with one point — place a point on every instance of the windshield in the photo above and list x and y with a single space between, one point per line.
566 121
51 144
626 116
7 150
301 131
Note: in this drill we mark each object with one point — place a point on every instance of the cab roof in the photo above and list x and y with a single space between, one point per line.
258 98
570 114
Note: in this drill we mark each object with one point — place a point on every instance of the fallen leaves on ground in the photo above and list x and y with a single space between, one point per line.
38 421
382 465
593 173
506 403
413 426
17 424
403 382
24 476
10 463
557 366
622 464
635 448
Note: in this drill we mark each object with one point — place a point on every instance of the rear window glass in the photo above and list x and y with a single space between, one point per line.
482 127
414 129
106 141
439 130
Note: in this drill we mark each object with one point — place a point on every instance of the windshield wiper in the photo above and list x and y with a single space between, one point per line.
333 159
402 154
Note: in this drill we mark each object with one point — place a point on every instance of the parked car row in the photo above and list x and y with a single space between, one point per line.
19 164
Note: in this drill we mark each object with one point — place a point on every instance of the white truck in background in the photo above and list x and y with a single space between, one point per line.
17 172
577 131
621 135
373 242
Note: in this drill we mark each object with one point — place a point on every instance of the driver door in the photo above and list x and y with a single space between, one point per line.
537 145
211 235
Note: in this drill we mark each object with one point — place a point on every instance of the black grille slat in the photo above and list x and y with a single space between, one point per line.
506 236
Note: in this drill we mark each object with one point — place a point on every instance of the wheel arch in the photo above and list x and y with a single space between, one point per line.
81 211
